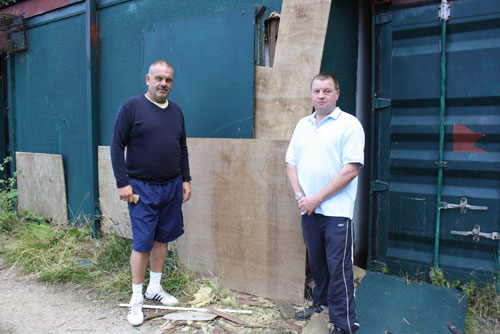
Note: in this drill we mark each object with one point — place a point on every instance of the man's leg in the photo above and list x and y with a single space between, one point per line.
338 244
138 264
158 256
154 290
312 233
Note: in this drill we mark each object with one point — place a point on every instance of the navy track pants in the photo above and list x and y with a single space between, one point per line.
329 245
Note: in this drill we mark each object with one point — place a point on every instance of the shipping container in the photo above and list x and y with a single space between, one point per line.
435 187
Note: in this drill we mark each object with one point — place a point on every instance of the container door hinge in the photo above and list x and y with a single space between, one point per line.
378 185
382 18
380 103
463 206
476 234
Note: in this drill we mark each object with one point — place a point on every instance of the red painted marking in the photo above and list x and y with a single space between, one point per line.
93 34
464 139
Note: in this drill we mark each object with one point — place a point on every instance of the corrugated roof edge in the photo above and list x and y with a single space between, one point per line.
30 8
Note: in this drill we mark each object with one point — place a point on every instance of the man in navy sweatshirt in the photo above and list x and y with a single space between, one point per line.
156 168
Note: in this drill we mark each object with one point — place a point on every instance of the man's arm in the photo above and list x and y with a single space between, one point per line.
308 204
118 143
293 177
126 194
186 188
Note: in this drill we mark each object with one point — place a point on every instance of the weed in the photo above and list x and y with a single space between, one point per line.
483 304
8 198
438 279
57 254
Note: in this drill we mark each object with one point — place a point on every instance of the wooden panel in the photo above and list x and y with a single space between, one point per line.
41 185
282 92
114 212
301 35
242 222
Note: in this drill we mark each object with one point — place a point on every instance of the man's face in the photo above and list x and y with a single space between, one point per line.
324 95
159 82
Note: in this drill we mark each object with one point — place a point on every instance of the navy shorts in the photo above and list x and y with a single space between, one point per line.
158 214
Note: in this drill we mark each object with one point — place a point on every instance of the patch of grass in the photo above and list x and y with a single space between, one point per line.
68 253
57 254
483 303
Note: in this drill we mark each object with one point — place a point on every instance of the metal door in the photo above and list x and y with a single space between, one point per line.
408 67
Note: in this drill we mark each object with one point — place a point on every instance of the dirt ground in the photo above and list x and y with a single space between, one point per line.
28 306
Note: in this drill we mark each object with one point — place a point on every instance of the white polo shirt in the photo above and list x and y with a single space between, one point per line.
320 152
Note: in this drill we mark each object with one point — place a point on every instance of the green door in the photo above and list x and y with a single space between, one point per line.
406 132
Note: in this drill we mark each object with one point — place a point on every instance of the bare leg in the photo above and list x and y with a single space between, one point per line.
158 256
138 264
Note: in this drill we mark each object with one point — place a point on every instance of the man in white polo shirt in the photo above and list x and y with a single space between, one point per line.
323 159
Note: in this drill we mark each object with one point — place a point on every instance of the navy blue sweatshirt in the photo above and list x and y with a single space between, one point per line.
155 139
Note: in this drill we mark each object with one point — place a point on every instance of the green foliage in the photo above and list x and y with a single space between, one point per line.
438 278
483 304
8 198
58 254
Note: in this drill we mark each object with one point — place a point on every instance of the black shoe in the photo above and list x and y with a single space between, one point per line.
337 330
308 312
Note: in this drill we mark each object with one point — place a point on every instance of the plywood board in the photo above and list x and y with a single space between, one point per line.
242 221
41 185
114 212
282 91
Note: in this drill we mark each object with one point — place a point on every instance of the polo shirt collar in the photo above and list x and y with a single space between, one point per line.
334 114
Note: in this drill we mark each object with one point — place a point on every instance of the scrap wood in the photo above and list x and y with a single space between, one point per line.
187 323
161 307
228 317
157 314
190 316
242 322
453 328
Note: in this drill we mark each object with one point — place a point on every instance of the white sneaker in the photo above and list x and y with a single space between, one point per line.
158 295
135 316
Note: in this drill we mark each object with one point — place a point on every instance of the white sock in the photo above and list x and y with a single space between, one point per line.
136 290
154 279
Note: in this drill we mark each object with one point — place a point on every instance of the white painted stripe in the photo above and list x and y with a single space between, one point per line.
343 274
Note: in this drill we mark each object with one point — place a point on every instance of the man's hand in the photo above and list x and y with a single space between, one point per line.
126 194
307 204
186 187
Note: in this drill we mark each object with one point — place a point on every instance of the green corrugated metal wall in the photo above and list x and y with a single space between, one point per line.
340 56
48 82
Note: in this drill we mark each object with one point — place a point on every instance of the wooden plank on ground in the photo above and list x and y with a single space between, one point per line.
282 91
114 212
41 185
242 221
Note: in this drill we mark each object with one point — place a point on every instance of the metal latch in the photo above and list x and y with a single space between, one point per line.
463 206
476 233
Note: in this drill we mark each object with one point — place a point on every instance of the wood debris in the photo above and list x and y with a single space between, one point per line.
190 316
